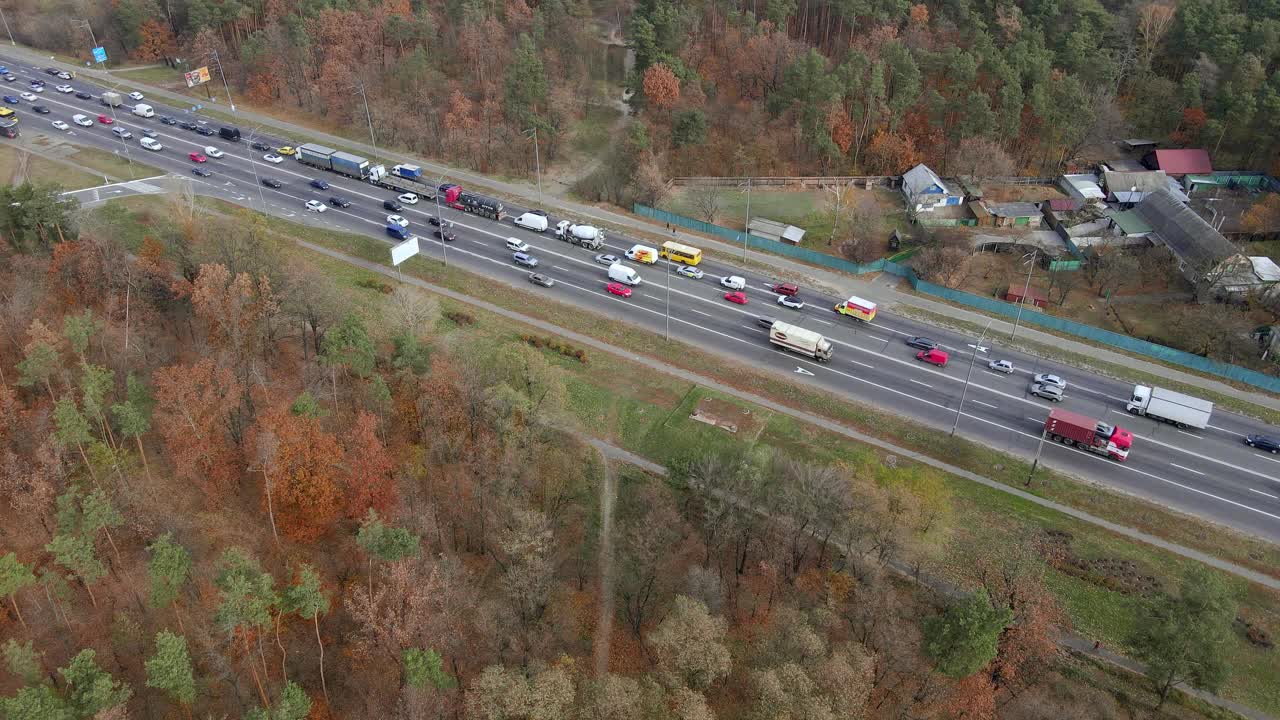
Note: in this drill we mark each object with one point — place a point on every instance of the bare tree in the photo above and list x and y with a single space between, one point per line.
1113 270
1154 21
982 157
706 201
947 265
836 207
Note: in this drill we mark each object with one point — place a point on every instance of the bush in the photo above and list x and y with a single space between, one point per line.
557 346
374 284
457 317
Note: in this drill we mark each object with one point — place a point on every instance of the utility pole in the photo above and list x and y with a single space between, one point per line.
666 333
973 359
746 228
444 244
1035 463
87 26
217 61
6 28
1022 301
369 118
253 163
537 160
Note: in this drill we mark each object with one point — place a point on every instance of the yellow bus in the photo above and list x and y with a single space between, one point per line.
676 252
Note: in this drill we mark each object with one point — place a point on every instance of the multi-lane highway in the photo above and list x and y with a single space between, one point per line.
1207 473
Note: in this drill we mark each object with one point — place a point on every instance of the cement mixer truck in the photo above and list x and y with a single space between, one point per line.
587 236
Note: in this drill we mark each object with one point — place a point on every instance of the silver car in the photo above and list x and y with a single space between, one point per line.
1052 393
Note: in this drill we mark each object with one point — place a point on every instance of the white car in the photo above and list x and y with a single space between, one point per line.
137 96
408 199
690 271
397 220
517 245
82 120
791 301
29 97
1054 380
1003 366
213 152
151 144
37 88
315 206
59 125
64 75
733 282
64 89
273 158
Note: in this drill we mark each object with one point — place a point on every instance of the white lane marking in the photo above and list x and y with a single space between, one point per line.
802 371
1273 497
855 362
1184 432
698 312
1184 467
993 407
1034 420
824 322
920 383
1274 460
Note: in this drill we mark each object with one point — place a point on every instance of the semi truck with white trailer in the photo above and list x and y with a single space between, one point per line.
801 340
1171 407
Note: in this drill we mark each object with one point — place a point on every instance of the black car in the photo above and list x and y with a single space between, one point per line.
272 183
261 146
923 343
392 205
166 120
1263 442
765 322
200 172
446 235
52 71
540 279
206 131
437 222
84 95
187 125
319 184
339 201
40 109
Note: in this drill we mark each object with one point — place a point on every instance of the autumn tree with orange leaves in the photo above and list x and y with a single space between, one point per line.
193 411
367 479
661 86
302 468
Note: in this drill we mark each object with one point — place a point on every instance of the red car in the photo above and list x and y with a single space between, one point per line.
619 289
736 297
197 157
933 357
105 120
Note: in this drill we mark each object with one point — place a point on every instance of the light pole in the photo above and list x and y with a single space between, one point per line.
537 160
226 87
127 155
6 28
746 228
1031 265
369 118
88 26
1035 463
666 334
444 244
973 360
253 164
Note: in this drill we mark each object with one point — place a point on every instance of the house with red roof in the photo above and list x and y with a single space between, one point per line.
1186 161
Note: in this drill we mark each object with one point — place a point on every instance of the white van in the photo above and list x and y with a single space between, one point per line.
517 245
532 221
82 120
142 110
151 144
623 274
733 282
642 253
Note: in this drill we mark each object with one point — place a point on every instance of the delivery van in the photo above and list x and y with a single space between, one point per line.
623 274
642 253
82 120
142 110
532 221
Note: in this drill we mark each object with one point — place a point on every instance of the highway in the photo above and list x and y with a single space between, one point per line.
1209 473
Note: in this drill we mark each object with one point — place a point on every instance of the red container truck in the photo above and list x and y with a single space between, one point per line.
1089 434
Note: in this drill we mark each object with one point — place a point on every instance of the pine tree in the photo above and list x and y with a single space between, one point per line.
306 598
248 597
426 667
169 669
14 576
92 689
385 543
76 553
23 660
293 705
169 569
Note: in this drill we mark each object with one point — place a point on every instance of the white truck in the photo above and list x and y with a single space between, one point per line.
1171 407
587 236
111 99
801 340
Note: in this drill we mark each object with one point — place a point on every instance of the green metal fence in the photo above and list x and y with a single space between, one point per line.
991 305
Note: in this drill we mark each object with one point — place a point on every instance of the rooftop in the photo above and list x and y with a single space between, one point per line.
1182 162
1196 244
920 179
1013 209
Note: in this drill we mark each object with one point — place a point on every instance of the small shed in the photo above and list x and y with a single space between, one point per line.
1139 144
980 212
1179 162
1033 296
774 230
1011 214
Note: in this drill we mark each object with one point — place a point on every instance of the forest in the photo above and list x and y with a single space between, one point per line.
746 87
235 487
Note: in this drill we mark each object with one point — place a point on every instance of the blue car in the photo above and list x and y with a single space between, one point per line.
11 99
319 184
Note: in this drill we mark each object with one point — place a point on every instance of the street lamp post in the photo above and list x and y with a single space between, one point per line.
666 333
973 360
88 26
537 161
369 118
1031 265
746 228
217 61
254 165
6 28
444 244
127 155
1036 463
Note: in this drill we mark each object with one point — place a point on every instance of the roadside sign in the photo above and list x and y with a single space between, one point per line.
196 77
99 54
404 250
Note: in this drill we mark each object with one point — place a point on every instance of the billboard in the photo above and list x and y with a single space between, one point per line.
199 76
405 250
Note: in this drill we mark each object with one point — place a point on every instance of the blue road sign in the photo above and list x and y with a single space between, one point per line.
99 54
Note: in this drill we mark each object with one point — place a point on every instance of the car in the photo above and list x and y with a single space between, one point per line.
923 343
273 158
315 206
618 289
1263 442
64 89
408 199
137 96
105 120
765 321
785 289
737 297
11 99
166 120
733 282
187 125
791 301
205 130
1003 366
392 205
37 88
690 271
339 201
197 157
540 279
517 245
10 77
59 125
933 357
29 97
62 75
213 152
525 259
398 220
286 150
1047 379
608 259
259 146
52 70
151 144
82 120
200 172
1052 393
445 235
319 184
121 132
148 133
42 109
272 183
84 95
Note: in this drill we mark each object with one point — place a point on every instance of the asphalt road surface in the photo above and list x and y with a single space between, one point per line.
1209 473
